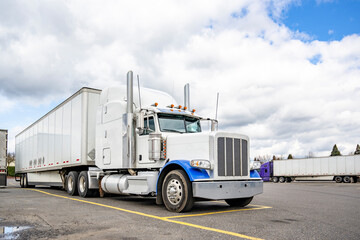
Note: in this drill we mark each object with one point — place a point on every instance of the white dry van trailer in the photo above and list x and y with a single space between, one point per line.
338 168
3 156
137 142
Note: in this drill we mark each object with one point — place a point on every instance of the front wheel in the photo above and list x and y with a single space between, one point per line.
239 202
177 192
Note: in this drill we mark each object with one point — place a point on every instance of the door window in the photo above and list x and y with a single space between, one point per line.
151 127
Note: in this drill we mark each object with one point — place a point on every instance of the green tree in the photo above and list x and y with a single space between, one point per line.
10 158
290 156
335 151
357 150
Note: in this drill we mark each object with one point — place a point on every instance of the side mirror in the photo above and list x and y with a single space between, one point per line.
140 123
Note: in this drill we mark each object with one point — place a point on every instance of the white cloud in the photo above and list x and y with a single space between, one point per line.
271 86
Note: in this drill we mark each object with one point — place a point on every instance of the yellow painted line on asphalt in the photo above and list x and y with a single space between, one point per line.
153 216
219 212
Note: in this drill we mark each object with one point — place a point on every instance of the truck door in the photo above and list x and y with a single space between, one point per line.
142 146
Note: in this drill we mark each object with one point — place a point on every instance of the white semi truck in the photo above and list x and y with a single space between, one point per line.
139 142
337 168
3 155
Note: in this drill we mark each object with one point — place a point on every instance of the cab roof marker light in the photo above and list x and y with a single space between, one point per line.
193 110
171 106
155 104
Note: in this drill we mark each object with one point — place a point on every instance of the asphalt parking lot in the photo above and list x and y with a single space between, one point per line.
297 210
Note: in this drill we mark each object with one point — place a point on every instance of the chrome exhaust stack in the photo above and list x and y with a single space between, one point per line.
129 140
187 96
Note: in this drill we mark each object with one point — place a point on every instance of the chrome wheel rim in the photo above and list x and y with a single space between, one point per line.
82 184
70 184
174 191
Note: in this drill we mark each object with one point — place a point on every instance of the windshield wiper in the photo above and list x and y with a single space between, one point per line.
171 130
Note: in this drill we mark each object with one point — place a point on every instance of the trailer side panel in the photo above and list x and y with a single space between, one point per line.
62 138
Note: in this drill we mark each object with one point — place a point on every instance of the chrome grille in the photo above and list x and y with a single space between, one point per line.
232 156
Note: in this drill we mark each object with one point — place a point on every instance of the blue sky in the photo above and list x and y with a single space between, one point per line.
289 83
324 20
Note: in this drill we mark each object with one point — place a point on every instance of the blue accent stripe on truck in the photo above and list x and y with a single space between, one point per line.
193 173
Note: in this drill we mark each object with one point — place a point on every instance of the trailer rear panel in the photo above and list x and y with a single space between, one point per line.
64 137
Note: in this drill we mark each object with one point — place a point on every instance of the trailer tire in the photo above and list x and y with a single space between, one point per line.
347 179
338 179
354 179
288 179
22 181
275 179
26 182
177 192
83 185
281 179
71 183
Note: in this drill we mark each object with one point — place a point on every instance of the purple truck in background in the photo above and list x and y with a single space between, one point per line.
337 168
266 171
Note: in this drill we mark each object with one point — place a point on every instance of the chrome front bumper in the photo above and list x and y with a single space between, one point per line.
220 190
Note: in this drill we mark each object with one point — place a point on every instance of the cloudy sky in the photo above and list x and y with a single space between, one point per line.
288 72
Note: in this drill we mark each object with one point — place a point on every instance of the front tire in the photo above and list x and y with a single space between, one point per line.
177 192
71 183
239 202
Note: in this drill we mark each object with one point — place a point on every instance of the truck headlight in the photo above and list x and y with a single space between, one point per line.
201 164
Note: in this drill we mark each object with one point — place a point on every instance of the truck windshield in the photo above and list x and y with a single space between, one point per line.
178 123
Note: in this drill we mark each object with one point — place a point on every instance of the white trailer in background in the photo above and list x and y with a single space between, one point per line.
110 141
3 156
338 168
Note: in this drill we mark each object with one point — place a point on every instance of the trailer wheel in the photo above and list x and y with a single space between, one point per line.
275 179
22 180
177 192
288 179
83 185
239 202
354 179
71 183
281 179
338 179
347 179
26 182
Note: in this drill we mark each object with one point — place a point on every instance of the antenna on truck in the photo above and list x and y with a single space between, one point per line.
217 106
139 91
